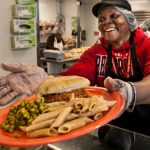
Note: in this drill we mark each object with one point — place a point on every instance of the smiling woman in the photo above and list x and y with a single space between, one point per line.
119 55
113 25
122 54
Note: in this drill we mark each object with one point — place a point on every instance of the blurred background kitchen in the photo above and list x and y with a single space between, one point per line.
27 42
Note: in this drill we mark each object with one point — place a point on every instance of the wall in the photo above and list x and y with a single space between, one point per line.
140 4
89 22
6 53
69 10
47 9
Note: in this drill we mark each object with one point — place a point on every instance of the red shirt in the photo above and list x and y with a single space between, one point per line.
92 63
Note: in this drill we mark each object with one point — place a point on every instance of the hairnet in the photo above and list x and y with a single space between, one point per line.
130 18
145 25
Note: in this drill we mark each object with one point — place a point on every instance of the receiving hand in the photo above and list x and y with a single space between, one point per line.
21 82
123 87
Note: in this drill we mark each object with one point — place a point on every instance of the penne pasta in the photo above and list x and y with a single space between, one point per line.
68 104
38 125
79 103
54 104
97 116
47 116
76 110
99 109
86 104
110 103
51 109
101 102
106 102
41 133
23 128
53 132
86 114
93 102
71 116
74 124
61 117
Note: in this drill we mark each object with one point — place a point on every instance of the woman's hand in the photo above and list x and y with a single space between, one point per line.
124 88
21 82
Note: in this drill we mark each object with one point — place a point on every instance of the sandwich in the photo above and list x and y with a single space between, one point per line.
61 88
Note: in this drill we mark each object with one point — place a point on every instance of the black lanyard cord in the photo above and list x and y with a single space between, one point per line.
136 66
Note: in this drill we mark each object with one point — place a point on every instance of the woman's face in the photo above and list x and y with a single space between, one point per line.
113 25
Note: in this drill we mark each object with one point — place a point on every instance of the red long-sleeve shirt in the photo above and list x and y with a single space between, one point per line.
92 63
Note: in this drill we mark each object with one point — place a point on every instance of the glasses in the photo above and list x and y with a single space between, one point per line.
113 17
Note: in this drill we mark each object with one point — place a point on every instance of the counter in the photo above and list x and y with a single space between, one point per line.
56 66
90 142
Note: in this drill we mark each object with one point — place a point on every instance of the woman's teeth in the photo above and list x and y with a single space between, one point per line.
110 29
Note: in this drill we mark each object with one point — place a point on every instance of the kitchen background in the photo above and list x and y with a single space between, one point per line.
48 10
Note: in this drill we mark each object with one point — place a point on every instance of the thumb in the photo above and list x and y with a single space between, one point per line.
113 84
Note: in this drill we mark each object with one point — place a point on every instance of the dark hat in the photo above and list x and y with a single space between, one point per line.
121 3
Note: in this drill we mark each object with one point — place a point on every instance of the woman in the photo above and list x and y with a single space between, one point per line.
123 54
55 40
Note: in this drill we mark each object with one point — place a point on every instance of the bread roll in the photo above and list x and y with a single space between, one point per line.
62 84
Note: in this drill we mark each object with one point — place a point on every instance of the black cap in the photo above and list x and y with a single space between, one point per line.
121 3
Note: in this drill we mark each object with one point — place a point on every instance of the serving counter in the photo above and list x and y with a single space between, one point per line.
56 66
90 142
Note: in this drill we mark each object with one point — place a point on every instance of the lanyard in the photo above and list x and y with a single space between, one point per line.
132 63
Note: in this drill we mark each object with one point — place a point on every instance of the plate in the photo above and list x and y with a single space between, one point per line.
9 139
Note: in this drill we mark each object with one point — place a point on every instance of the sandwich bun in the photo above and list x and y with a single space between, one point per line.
62 84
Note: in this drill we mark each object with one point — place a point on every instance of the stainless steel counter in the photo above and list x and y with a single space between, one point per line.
91 142
56 66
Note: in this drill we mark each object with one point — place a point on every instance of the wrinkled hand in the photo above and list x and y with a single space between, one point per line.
123 87
21 82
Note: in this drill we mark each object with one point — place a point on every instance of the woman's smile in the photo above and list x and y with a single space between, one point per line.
110 29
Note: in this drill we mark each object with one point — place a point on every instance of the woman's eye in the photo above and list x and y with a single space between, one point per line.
114 16
100 20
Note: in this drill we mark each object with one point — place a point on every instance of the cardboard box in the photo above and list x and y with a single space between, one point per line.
22 26
22 2
23 11
23 41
